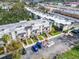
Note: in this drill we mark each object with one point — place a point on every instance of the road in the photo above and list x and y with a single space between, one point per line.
62 44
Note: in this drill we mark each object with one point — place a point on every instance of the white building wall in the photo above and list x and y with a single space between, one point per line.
29 33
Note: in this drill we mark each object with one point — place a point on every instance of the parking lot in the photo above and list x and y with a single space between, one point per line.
62 44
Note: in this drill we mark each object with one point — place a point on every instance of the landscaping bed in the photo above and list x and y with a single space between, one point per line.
29 41
34 39
44 34
24 41
1 50
40 37
54 32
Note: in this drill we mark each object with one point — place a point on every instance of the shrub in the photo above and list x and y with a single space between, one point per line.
1 50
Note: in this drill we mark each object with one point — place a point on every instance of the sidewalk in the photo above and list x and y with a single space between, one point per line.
55 36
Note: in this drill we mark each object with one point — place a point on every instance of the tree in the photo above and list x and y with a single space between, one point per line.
18 6
16 55
6 38
13 46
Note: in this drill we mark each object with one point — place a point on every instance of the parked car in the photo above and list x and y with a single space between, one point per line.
49 44
35 48
39 44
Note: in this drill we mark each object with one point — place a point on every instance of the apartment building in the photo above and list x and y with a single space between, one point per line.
63 22
25 29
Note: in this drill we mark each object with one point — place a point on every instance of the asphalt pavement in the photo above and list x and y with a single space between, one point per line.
62 44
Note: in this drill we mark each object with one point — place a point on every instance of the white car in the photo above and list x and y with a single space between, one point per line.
49 44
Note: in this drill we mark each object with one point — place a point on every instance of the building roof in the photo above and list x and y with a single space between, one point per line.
13 26
20 26
48 16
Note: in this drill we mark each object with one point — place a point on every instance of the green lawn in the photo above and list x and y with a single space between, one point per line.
35 40
29 41
40 37
72 54
54 33
44 34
